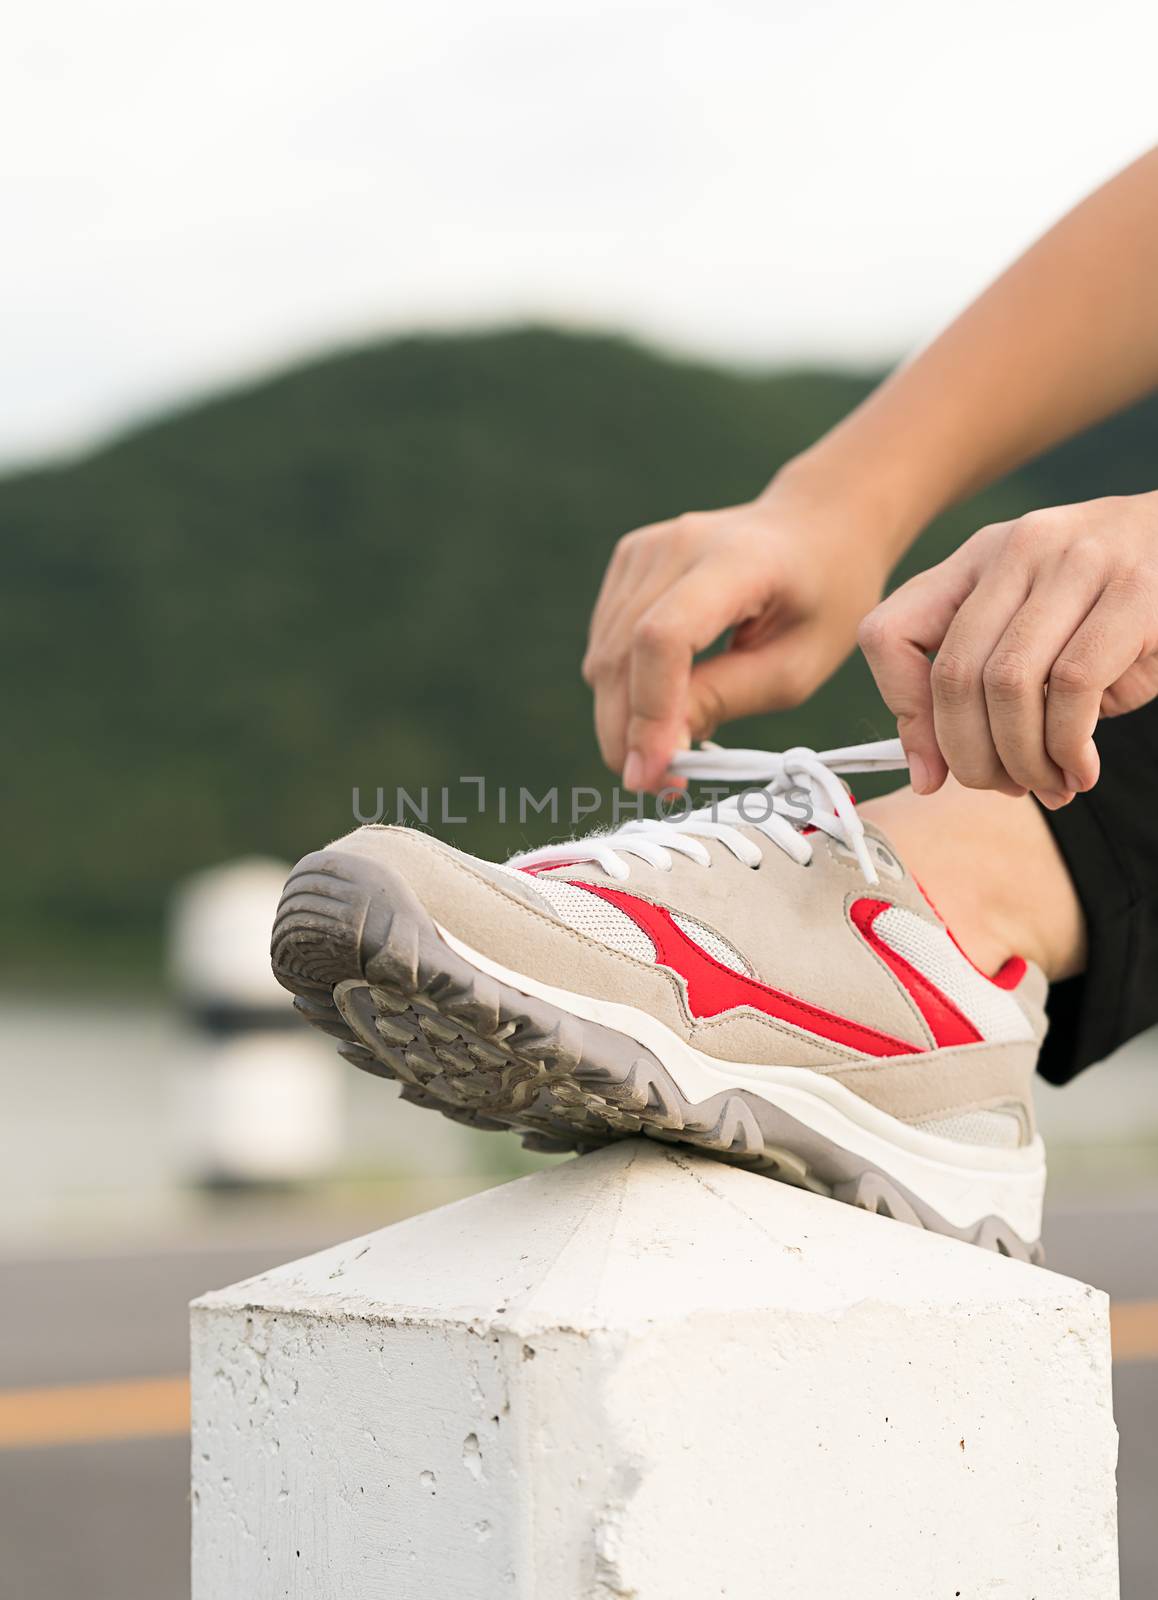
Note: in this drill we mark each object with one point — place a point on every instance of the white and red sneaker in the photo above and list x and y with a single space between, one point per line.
762 979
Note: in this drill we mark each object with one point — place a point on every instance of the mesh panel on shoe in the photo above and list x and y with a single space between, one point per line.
994 1012
998 1129
590 914
597 918
710 941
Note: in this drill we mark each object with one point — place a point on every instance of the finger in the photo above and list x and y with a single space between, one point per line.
623 599
1104 647
617 578
661 662
1015 677
960 711
605 671
634 581
647 563
611 718
666 638
896 639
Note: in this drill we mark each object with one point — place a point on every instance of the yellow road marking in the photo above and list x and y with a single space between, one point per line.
81 1413
1134 1330
158 1408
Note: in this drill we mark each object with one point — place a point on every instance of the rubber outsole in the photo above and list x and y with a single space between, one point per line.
367 965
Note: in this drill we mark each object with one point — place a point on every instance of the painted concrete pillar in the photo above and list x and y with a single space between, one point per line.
645 1374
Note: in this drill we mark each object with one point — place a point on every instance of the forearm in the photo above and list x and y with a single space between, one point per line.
1067 336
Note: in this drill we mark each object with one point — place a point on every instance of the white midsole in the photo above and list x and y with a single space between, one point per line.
964 1183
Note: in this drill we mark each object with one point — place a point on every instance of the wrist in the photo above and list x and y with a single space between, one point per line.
889 467
861 505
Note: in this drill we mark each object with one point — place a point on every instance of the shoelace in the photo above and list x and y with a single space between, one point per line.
830 809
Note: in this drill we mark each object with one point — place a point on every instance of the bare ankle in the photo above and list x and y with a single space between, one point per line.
991 867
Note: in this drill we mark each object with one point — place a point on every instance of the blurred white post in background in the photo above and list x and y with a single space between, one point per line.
644 1373
264 1095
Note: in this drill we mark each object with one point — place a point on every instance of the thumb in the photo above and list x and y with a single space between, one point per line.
743 683
897 637
1137 686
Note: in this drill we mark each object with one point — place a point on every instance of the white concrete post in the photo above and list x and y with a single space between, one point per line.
645 1374
262 1096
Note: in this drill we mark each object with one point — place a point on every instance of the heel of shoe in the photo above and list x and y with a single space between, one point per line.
333 916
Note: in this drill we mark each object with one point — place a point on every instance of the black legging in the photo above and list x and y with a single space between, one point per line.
1109 839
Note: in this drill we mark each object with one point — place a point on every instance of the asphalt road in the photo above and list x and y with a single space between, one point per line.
109 1521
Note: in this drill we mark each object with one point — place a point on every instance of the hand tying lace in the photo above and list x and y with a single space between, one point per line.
771 805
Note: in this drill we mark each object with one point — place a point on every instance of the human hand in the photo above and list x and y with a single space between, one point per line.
1037 628
792 573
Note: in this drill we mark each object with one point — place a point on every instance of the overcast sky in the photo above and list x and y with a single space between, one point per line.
193 192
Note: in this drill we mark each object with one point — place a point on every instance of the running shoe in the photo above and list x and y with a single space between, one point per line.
760 978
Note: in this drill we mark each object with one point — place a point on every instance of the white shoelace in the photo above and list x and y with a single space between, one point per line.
798 788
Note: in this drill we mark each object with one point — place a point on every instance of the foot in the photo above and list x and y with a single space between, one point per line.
763 980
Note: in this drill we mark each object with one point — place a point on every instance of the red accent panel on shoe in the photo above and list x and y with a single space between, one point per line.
713 988
1009 974
947 1025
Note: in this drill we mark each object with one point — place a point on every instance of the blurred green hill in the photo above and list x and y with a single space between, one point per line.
372 570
